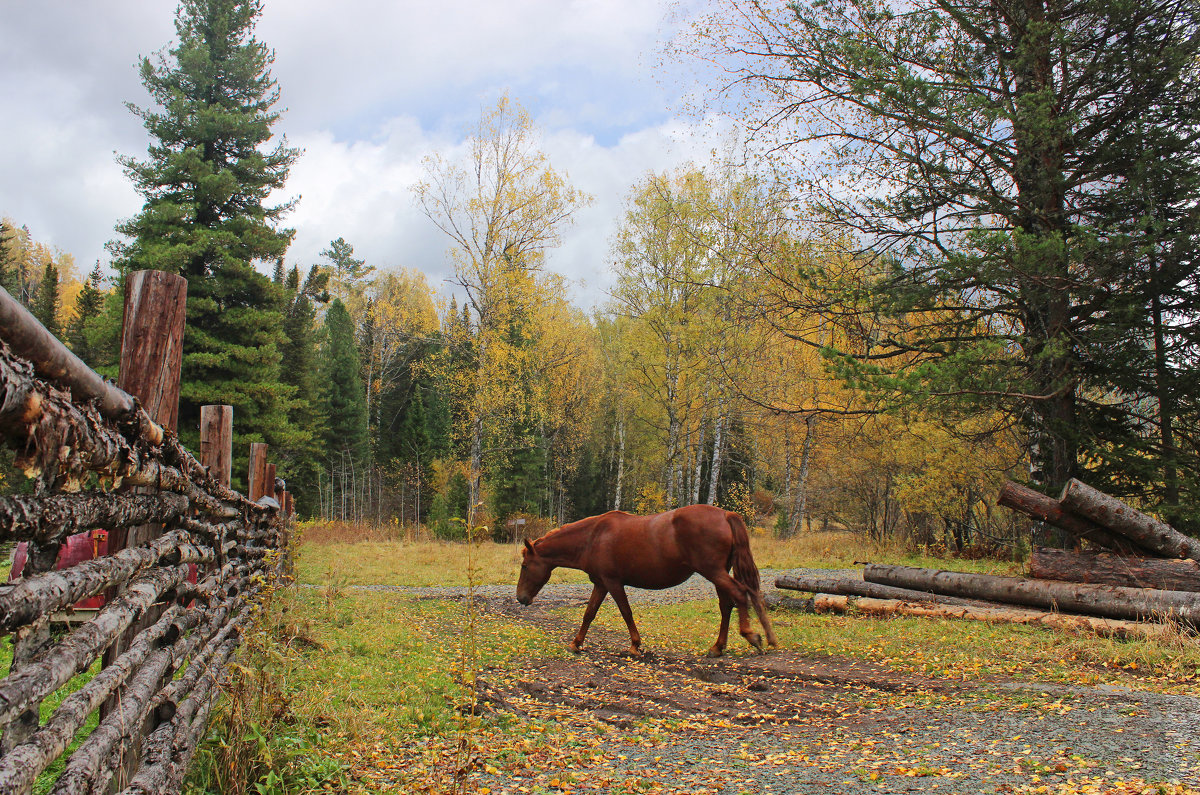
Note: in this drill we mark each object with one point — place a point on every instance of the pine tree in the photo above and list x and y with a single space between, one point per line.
205 182
348 270
1019 171
89 303
46 304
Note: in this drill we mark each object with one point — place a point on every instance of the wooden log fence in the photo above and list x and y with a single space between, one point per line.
100 461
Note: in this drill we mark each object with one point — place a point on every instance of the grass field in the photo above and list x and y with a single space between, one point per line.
340 689
376 686
348 555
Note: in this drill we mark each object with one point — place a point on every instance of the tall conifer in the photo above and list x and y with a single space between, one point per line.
89 303
46 304
205 182
345 401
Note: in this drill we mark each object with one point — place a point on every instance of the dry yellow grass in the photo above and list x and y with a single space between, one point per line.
389 555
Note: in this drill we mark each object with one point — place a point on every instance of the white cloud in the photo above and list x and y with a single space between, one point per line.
371 87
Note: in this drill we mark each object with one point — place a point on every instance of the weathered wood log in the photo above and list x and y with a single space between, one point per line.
847 586
1108 627
257 478
170 746
1167 574
55 516
83 645
26 600
1110 601
216 441
21 766
60 442
1146 531
1038 506
27 338
152 342
86 766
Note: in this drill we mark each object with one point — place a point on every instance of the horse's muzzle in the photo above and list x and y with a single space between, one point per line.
525 600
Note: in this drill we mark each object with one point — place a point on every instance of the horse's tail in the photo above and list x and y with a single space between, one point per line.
746 572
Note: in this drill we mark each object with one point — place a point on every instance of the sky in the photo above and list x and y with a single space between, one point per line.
369 88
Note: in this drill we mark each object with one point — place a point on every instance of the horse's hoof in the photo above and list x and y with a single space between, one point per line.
756 641
714 652
635 652
574 647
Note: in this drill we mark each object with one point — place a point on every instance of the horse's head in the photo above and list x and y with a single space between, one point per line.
535 570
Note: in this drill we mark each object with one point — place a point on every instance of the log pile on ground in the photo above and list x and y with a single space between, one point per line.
1143 581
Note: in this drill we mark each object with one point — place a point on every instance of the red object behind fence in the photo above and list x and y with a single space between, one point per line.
77 549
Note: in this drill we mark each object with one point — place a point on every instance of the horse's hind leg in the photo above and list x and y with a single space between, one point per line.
598 594
718 648
738 594
635 639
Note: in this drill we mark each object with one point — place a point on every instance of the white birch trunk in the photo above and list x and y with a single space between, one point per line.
800 500
620 462
718 442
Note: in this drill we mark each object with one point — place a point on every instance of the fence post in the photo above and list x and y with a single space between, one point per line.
152 342
216 441
258 472
150 370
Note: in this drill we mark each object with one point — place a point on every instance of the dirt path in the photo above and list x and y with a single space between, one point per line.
787 723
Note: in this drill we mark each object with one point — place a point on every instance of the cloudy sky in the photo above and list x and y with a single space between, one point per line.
370 87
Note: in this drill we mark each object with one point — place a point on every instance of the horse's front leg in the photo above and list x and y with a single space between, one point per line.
635 640
598 594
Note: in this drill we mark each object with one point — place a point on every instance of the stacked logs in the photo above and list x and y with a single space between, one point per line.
1144 582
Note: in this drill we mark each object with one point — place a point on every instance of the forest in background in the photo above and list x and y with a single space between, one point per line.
986 270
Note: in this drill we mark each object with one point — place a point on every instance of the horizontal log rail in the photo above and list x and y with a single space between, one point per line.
176 601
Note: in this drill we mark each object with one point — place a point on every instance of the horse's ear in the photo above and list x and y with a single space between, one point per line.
529 547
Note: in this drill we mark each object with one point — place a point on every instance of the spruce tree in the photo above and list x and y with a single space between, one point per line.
89 303
345 406
205 182
46 303
304 454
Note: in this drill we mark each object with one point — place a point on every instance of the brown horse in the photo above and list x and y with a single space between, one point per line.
617 549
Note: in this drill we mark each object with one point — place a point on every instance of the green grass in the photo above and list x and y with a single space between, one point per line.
45 781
